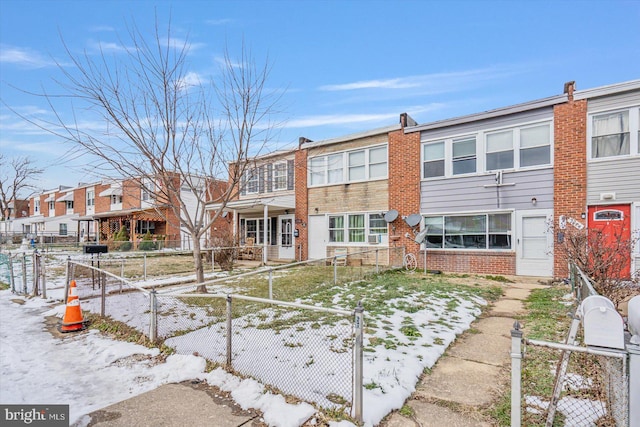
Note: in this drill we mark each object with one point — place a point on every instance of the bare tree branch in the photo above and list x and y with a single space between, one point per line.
16 181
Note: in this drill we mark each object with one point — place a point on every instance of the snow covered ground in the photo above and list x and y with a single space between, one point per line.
89 371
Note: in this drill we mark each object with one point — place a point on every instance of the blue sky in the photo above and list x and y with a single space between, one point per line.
347 66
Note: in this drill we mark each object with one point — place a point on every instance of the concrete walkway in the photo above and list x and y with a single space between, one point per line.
473 372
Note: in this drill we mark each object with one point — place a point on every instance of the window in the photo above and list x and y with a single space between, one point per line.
336 229
608 215
252 181
378 162
36 206
254 228
357 166
499 150
69 204
335 168
535 145
349 166
148 189
280 176
91 197
610 135
377 224
52 206
317 168
356 228
116 199
433 157
144 227
63 229
464 156
478 231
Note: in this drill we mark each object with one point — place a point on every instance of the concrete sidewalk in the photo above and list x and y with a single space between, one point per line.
193 404
473 371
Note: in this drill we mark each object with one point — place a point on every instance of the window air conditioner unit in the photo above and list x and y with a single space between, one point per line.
374 238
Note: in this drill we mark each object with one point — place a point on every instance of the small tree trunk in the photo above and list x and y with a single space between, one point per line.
197 262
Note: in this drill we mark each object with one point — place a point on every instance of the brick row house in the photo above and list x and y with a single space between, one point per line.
96 212
493 192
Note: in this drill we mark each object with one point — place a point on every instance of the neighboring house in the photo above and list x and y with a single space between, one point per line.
613 162
264 211
343 195
51 214
14 219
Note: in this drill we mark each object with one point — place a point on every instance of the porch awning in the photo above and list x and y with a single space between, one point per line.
66 198
148 216
257 204
113 191
51 198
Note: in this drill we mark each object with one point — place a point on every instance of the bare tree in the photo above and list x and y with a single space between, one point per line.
16 182
174 133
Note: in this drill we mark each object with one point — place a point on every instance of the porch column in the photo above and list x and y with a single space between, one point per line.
236 230
265 234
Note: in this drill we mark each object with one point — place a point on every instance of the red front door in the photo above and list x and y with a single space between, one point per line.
614 224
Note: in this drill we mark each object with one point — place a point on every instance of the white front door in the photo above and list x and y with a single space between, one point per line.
534 243
286 241
318 235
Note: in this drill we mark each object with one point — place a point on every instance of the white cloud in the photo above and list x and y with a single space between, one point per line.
339 119
102 28
24 57
222 61
430 83
222 21
110 47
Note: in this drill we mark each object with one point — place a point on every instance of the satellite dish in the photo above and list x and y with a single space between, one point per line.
413 220
391 215
420 237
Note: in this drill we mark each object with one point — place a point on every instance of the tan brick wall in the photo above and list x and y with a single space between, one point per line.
362 196
346 146
570 170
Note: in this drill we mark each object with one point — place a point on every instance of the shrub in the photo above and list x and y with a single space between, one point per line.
147 243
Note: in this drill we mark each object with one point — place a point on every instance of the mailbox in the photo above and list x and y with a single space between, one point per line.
95 249
603 325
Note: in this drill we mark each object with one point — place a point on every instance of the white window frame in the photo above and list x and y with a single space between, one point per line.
36 206
252 179
147 190
487 231
481 149
279 174
634 133
91 198
319 167
367 229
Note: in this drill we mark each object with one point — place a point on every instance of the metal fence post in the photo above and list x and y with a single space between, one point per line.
35 275
377 268
516 375
229 331
24 273
43 272
357 349
213 260
103 293
12 279
144 265
271 283
153 321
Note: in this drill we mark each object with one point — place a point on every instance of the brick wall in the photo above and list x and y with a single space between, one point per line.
102 203
470 262
302 202
131 194
361 196
404 184
570 169
80 201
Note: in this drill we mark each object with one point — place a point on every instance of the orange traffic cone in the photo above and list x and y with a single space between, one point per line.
72 320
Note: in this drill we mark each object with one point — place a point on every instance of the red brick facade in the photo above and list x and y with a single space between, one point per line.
570 169
302 203
481 262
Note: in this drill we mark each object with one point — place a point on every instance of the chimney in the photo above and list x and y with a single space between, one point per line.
569 87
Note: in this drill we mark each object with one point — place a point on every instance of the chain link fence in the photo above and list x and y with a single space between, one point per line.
567 383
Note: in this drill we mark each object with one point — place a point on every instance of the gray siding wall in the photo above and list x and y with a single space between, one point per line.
469 194
621 176
612 102
499 122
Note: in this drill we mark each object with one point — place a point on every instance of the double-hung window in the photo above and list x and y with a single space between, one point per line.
464 156
348 166
91 197
610 135
535 145
499 150
280 176
356 228
377 224
336 228
433 160
335 168
36 206
252 181
357 171
378 162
